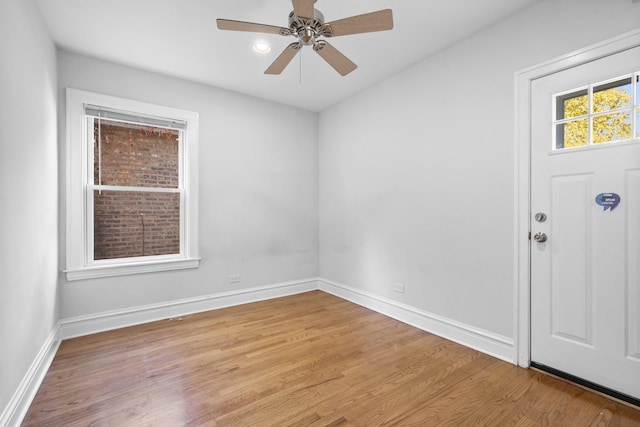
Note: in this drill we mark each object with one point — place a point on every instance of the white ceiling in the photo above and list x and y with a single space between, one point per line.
180 38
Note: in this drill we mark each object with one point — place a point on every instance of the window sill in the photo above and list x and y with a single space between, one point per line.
94 272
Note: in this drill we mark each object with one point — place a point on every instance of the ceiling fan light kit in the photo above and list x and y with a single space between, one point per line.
307 25
261 47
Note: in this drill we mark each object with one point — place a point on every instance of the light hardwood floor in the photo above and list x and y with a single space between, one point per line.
305 360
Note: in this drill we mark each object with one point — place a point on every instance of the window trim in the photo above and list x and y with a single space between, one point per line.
78 264
589 91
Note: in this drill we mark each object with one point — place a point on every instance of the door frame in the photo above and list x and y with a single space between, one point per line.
522 223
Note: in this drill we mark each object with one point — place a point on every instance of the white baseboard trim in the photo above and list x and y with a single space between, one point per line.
14 413
18 406
91 324
484 341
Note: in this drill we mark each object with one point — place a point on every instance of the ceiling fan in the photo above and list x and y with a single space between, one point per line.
307 24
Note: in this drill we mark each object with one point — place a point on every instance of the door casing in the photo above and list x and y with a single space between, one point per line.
523 80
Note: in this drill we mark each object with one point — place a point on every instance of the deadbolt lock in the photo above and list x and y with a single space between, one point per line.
541 217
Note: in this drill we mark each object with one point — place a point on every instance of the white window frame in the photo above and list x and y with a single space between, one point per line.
589 117
79 225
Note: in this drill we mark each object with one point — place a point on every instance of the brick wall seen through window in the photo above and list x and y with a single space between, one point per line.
135 223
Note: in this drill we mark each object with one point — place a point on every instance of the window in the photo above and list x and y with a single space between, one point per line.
601 113
132 187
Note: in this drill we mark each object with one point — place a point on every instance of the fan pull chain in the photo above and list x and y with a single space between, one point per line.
300 66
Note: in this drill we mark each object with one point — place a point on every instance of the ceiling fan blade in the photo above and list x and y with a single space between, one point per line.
382 20
303 8
337 60
283 59
228 24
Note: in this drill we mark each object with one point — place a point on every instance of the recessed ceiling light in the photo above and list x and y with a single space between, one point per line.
261 47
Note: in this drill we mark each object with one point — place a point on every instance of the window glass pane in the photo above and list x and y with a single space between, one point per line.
133 224
611 96
572 134
135 155
571 105
612 127
637 122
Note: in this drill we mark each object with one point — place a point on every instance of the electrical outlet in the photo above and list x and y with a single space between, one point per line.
234 278
398 287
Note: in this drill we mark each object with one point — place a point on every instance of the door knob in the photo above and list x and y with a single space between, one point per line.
540 237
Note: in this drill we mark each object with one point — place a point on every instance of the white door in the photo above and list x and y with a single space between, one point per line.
585 278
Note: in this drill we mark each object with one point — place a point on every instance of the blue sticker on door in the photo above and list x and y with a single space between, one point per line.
608 201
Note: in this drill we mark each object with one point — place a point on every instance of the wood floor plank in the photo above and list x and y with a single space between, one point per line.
306 360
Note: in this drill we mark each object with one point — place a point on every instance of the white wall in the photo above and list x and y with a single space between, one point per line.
28 191
417 172
258 190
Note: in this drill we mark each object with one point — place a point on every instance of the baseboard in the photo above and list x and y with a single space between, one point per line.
487 342
484 341
91 324
18 406
16 410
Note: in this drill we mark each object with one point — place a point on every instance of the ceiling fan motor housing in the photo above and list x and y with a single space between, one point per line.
306 29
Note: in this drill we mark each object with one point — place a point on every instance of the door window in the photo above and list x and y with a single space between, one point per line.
600 113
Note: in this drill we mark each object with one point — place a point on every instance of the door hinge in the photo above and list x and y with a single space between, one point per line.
529 235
